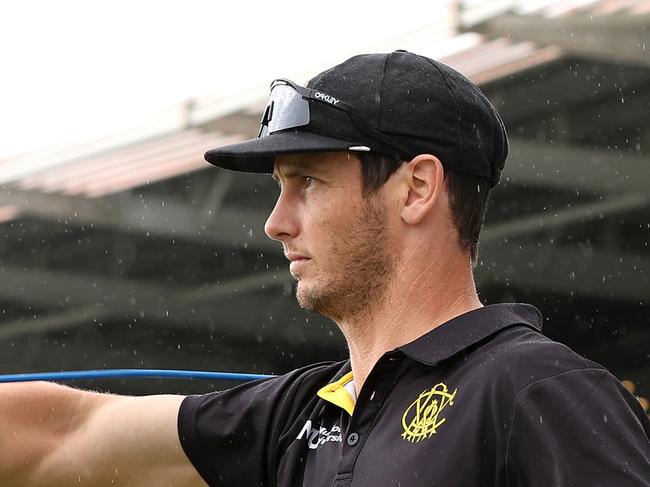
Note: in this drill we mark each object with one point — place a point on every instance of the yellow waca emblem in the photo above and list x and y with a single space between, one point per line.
423 417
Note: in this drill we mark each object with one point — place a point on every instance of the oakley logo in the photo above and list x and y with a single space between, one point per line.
326 98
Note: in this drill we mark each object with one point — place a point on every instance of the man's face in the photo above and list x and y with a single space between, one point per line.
337 240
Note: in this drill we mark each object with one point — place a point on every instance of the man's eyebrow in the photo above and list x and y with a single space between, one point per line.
295 168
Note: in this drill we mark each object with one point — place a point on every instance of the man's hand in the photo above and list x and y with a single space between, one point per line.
55 435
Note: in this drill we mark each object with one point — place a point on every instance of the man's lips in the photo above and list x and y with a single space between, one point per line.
295 257
297 261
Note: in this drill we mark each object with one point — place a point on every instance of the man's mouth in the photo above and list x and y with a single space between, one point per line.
293 257
297 262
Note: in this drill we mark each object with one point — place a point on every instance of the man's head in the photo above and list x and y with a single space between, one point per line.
352 238
386 110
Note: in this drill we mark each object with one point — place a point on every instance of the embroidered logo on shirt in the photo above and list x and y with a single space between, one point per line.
422 418
319 436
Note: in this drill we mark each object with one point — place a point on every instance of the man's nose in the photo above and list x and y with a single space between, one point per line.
282 223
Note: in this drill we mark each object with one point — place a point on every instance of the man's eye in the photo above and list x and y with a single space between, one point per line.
308 180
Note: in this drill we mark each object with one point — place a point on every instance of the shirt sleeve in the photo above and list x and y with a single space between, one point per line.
578 428
231 436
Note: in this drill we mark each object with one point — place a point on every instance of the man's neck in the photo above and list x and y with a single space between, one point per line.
405 313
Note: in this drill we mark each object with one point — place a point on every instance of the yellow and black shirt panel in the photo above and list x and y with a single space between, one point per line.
482 400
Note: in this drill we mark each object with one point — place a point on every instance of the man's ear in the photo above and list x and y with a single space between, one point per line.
424 179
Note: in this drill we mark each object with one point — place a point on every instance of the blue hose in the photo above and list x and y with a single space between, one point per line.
138 373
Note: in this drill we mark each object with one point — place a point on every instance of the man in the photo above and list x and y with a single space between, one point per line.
385 164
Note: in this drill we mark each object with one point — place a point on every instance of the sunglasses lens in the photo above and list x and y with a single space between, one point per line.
286 109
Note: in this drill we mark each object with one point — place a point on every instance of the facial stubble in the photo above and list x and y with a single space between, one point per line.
362 265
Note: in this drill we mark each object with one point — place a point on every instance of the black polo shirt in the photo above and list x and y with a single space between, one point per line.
483 400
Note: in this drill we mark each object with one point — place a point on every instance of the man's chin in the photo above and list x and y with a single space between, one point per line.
308 297
303 296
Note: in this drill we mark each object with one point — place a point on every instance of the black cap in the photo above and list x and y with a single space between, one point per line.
423 105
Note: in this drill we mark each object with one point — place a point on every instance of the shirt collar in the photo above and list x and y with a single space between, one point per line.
469 328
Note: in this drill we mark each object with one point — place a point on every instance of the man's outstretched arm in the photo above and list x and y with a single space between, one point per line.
56 435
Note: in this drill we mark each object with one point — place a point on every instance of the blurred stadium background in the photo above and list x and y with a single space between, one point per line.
130 251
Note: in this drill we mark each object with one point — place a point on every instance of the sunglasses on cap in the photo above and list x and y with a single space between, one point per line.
288 108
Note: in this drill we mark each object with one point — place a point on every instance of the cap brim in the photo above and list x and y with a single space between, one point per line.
258 155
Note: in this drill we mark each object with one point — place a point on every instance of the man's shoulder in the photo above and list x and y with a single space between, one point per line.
501 369
520 356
